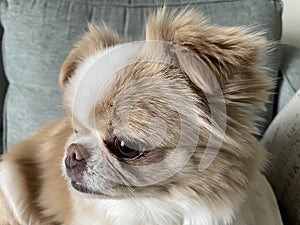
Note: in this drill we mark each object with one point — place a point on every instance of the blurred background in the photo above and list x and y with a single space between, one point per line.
291 22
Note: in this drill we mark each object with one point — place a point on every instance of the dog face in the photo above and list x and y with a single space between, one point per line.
125 139
145 130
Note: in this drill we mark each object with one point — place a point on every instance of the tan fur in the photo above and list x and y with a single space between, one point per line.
39 161
94 40
232 55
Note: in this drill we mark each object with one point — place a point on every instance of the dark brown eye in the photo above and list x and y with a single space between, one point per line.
126 150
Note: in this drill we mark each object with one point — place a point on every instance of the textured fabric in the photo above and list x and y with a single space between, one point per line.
264 205
284 172
39 34
290 70
282 138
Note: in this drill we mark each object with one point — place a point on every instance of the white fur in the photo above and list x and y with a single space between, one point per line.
9 184
152 212
92 76
260 208
14 189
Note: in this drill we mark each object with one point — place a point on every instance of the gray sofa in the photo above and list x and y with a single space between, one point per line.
38 34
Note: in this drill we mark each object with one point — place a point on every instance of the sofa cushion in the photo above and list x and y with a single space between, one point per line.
39 34
282 138
290 71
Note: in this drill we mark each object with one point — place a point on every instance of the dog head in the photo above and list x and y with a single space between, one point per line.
145 115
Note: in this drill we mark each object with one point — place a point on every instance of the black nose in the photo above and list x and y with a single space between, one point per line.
76 156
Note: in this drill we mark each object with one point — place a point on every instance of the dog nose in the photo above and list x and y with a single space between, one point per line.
76 155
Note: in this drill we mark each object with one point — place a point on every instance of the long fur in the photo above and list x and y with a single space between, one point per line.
34 189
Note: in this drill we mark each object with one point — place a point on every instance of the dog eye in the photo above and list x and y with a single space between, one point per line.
127 151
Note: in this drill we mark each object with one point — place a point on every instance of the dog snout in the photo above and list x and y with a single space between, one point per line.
76 156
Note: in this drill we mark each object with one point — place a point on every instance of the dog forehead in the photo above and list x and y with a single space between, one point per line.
91 78
134 112
128 100
121 79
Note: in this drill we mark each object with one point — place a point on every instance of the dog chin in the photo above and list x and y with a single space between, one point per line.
87 192
83 189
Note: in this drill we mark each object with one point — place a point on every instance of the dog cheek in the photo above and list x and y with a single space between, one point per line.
99 174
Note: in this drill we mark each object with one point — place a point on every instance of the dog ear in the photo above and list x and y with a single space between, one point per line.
95 39
231 54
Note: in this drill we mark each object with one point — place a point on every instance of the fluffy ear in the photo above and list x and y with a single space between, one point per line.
231 54
94 39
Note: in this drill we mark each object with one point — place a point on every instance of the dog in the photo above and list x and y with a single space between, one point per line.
156 132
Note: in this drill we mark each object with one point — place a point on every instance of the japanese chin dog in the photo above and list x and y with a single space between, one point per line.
159 132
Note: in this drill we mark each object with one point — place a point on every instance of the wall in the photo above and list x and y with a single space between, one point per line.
291 22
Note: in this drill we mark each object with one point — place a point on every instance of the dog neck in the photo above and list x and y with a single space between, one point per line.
138 211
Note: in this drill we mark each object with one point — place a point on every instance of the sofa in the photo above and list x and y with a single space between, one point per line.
37 35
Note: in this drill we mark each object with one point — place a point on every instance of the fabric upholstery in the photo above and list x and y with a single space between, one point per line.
283 171
282 139
290 70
